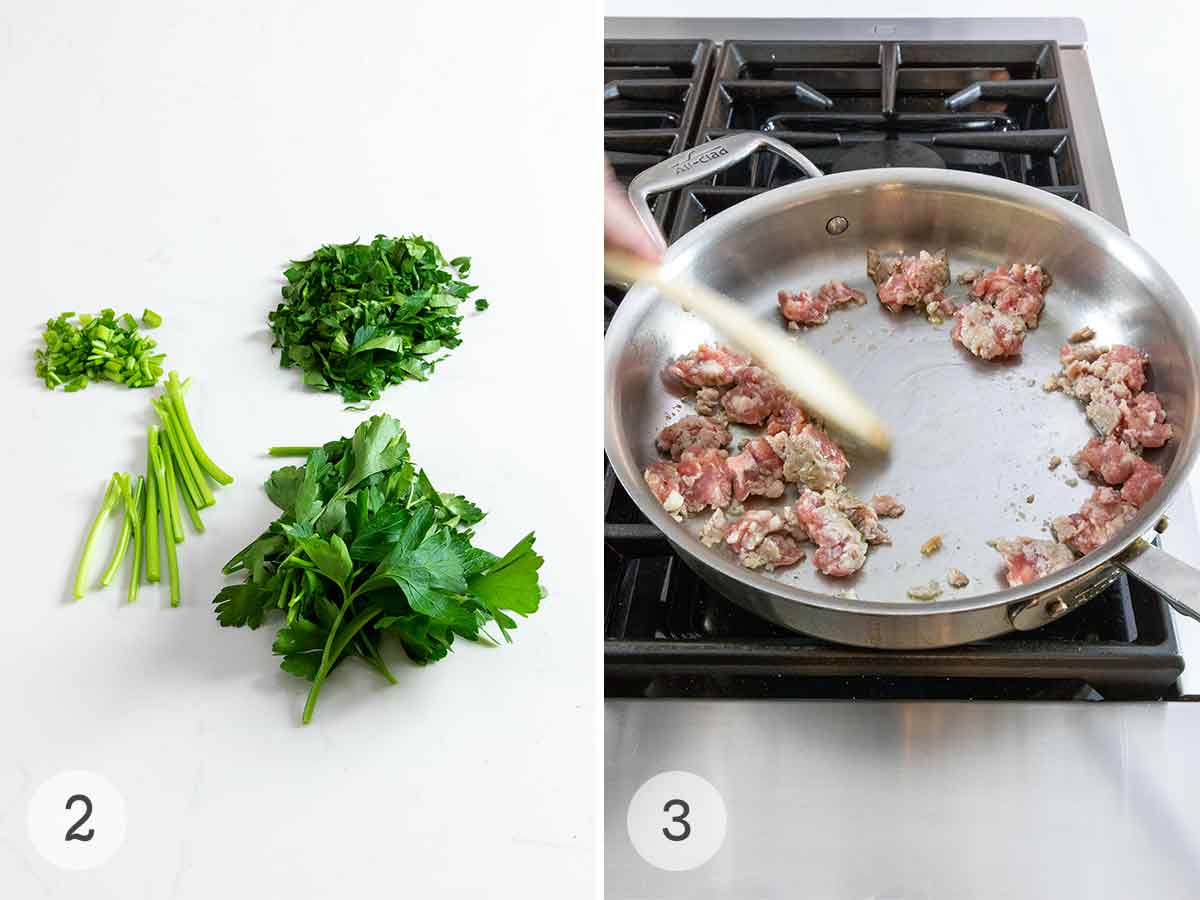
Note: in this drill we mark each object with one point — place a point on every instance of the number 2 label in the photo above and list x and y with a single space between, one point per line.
76 820
73 833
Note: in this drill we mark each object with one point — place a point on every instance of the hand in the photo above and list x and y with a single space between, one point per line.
622 228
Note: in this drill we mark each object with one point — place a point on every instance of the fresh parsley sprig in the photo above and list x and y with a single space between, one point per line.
365 548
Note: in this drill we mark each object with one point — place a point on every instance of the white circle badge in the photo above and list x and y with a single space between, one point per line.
676 821
76 820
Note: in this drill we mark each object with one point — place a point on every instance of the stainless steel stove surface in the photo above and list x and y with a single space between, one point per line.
900 794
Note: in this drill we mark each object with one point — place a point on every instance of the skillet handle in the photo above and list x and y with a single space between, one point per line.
1178 582
704 162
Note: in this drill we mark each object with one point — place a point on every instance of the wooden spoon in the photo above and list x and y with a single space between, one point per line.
793 365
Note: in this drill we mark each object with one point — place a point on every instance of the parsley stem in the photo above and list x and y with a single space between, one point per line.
175 394
160 478
354 626
127 526
326 659
112 492
151 523
139 528
371 654
290 451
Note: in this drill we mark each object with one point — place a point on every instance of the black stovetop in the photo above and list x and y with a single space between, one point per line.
993 107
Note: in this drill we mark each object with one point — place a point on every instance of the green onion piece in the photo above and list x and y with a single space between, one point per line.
127 525
290 451
169 501
150 318
151 523
112 493
175 393
160 479
191 475
206 497
139 511
188 503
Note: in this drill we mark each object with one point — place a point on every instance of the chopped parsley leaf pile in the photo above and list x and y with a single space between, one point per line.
359 317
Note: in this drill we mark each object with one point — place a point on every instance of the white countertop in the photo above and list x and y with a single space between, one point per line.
176 156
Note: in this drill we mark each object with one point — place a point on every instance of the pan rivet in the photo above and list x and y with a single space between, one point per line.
1056 607
837 225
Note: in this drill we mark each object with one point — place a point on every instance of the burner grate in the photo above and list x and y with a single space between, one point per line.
653 92
993 108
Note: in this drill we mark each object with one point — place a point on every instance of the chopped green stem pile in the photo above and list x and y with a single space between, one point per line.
358 317
365 547
152 510
101 347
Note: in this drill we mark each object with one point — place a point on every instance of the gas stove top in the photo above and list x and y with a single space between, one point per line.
1017 105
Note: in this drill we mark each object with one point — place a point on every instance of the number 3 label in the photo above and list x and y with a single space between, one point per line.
76 820
676 821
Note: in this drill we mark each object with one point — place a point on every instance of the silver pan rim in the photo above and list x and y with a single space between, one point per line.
679 259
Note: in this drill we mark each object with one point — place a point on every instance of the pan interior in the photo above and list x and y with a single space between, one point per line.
972 439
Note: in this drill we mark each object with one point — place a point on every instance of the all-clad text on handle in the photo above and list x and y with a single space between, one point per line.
703 162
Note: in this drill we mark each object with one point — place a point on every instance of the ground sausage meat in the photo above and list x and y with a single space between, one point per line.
810 458
714 529
762 539
1028 559
837 293
988 332
709 365
663 480
756 471
1103 515
754 398
788 417
930 591
1142 484
1018 290
708 402
696 432
957 579
1088 370
804 308
1105 410
887 506
841 549
1144 421
1109 459
909 280
861 515
705 479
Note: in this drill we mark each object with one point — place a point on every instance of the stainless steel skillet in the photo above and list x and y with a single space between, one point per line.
971 439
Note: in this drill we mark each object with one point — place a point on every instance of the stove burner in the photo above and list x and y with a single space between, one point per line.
888 155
